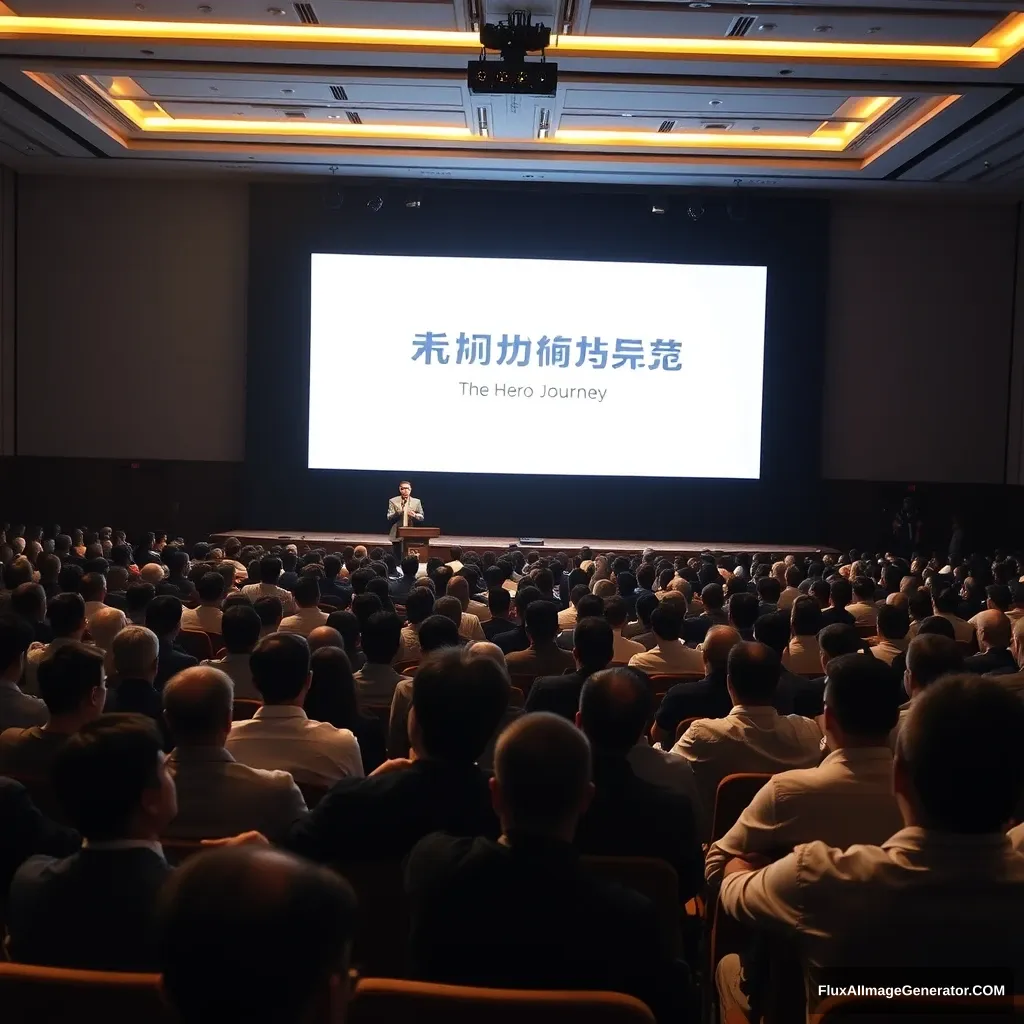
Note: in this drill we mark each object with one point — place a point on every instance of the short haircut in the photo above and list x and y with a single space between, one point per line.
29 601
15 639
524 596
269 609
93 586
542 622
270 569
280 667
240 628
224 909
197 712
437 632
841 592
614 707
134 650
977 791
754 670
67 674
862 692
381 636
542 765
930 656
66 614
919 605
306 591
937 625
768 589
477 687
999 595
364 605
450 607
713 596
589 606
616 611
594 642
163 614
805 617
893 621
772 630
499 600
666 622
646 574
419 603
645 605
743 610
946 601
101 772
864 588
794 577
840 638
211 586
410 565
138 596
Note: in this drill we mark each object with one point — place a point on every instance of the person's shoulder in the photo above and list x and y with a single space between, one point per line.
38 870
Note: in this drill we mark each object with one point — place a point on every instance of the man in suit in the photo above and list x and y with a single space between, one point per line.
543 656
17 709
499 603
524 912
516 639
163 617
217 796
400 588
593 647
403 510
995 633
25 832
442 789
94 909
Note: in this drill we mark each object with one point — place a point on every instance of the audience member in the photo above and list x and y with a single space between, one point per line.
640 630
543 656
995 634
207 617
163 617
946 604
18 710
307 615
930 656
240 632
669 656
381 637
271 612
516 639
269 573
616 612
28 601
840 595
803 655
893 627
67 623
592 651
499 604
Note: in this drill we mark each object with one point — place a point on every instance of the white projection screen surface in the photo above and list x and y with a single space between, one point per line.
455 364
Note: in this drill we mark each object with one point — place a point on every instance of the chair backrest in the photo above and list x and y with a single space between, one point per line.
878 1010
651 877
382 711
733 794
311 793
384 1001
661 683
406 668
684 725
31 995
216 642
244 708
523 683
380 946
196 643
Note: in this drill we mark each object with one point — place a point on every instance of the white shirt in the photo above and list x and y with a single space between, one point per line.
409 649
887 650
567 617
375 684
254 591
281 737
624 649
921 899
480 610
237 667
802 656
963 631
471 628
205 617
669 657
865 615
748 739
847 799
303 622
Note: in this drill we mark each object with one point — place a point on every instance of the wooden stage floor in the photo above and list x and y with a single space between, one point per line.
336 541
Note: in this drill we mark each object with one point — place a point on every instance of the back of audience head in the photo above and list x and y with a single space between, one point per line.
893 622
712 596
645 605
198 706
541 623
28 600
936 625
772 630
929 657
135 653
240 628
67 616
840 638
381 636
163 616
615 705
666 623
72 682
437 632
593 643
499 602
861 701
280 668
743 610
753 673
841 592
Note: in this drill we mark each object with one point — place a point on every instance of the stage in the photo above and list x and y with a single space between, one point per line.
441 546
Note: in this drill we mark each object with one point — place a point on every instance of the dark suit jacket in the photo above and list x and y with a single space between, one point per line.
807 696
558 694
703 698
172 660
335 588
994 662
92 910
632 818
399 589
514 640
139 697
181 587
529 915
495 627
25 830
831 616
383 817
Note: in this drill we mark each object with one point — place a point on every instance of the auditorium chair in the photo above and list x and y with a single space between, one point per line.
406 668
662 683
196 643
179 850
380 945
731 798
923 1009
385 1001
216 643
523 683
39 995
244 708
684 725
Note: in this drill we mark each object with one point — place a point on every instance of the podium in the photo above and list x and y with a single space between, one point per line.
416 540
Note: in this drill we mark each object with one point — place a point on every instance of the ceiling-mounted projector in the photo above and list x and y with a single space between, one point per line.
514 39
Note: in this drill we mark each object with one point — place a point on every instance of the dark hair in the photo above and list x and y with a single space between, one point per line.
29 601
92 586
477 687
840 638
743 610
646 574
946 601
332 566
544 581
306 591
419 603
616 611
919 604
66 614
163 614
15 639
410 565
280 667
666 622
524 597
805 617
348 626
769 590
436 632
542 622
862 692
270 569
101 772
794 576
67 675
240 628
931 655
499 600
713 596
211 586
218 916
754 670
332 689
614 707
177 561
999 595
893 621
772 630
364 605
269 609
841 592
936 625
589 606
594 642
977 791
138 596
820 591
625 583
645 605
381 636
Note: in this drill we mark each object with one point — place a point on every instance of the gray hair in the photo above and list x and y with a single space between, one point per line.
134 649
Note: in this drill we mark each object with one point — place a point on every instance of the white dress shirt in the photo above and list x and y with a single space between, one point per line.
19 710
669 657
281 737
847 799
963 631
303 622
921 899
409 649
624 649
865 615
205 618
748 739
802 656
254 591
888 650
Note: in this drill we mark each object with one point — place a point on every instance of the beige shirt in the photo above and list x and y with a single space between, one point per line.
963 631
788 597
802 656
205 618
281 737
471 628
303 622
846 799
887 650
921 899
480 610
254 591
375 684
669 657
567 617
409 649
748 739
237 667
865 615
623 649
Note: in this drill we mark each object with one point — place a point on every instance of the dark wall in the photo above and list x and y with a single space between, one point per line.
287 223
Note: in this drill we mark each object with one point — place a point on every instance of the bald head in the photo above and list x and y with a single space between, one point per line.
221 920
104 624
614 707
485 649
541 775
753 673
994 630
152 572
324 636
458 587
197 705
720 640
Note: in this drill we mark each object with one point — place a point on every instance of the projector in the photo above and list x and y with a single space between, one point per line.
513 39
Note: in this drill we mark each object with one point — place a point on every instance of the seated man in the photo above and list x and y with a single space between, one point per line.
94 909
802 655
543 656
380 638
753 737
942 893
592 651
105 624
863 609
616 612
477 904
516 639
307 615
18 710
946 603
640 630
207 617
401 588
629 817
419 605
66 613
217 796
441 789
893 627
136 658
271 612
567 617
163 617
670 656
499 604
223 910
590 606
93 590
279 735
930 656
743 611
840 595
995 634
270 571
240 631
458 586
71 680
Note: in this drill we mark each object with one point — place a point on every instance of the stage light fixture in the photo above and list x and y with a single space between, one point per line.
513 39
413 203
375 204
695 210
658 207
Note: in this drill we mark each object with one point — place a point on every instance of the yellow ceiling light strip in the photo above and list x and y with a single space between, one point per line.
700 140
305 128
865 112
992 50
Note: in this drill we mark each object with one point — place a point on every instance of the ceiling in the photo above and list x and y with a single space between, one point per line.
912 93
